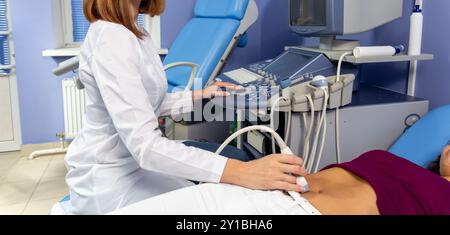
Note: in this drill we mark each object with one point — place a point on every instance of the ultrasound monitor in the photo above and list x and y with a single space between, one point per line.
319 18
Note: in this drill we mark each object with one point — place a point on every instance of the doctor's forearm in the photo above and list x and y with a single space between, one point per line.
249 175
232 172
275 172
197 95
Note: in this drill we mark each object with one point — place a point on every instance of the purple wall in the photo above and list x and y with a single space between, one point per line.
434 76
40 92
41 107
175 16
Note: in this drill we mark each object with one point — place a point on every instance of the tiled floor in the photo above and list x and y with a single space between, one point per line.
30 187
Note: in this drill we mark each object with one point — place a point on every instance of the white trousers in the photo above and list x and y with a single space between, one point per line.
151 185
216 199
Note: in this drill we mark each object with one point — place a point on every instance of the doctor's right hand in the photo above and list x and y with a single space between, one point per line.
274 172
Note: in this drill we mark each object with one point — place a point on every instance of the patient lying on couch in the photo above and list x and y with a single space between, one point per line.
376 183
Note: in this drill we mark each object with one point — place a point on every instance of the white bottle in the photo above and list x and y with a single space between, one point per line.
416 30
372 51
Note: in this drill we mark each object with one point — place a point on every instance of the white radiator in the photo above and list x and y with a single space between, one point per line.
74 108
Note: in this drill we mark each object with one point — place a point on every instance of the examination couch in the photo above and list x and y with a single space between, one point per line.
421 144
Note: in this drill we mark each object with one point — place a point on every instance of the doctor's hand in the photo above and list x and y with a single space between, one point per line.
274 172
215 91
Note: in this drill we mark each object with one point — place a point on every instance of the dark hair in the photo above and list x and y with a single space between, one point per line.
435 166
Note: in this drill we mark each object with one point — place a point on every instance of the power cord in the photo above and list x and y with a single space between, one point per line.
323 114
272 123
324 132
301 181
310 128
337 117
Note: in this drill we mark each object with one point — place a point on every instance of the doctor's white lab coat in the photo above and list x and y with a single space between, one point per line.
120 157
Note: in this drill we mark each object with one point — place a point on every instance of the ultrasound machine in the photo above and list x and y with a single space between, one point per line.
291 76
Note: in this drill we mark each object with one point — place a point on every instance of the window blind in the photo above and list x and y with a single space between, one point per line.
81 25
5 55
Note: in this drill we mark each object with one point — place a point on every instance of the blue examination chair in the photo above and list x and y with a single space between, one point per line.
201 49
199 54
423 142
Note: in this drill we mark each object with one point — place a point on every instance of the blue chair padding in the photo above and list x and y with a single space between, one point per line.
202 41
232 9
65 199
171 88
423 142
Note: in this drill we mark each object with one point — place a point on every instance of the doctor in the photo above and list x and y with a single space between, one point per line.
121 157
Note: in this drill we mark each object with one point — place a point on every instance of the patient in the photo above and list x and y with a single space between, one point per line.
376 183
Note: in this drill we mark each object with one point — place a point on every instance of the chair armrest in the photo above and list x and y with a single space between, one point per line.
183 64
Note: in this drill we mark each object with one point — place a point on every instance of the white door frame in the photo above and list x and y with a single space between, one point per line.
16 143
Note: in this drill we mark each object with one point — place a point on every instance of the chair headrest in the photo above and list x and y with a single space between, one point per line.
231 9
424 141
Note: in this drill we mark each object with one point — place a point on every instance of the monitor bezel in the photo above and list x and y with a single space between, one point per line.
334 21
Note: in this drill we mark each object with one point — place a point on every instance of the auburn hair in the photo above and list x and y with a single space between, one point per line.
120 12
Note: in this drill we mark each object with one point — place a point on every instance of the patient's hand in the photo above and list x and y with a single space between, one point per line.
275 172
214 91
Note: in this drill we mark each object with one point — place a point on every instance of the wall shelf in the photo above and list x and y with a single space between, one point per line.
388 59
335 55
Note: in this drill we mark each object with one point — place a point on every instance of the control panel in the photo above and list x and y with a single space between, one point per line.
262 80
